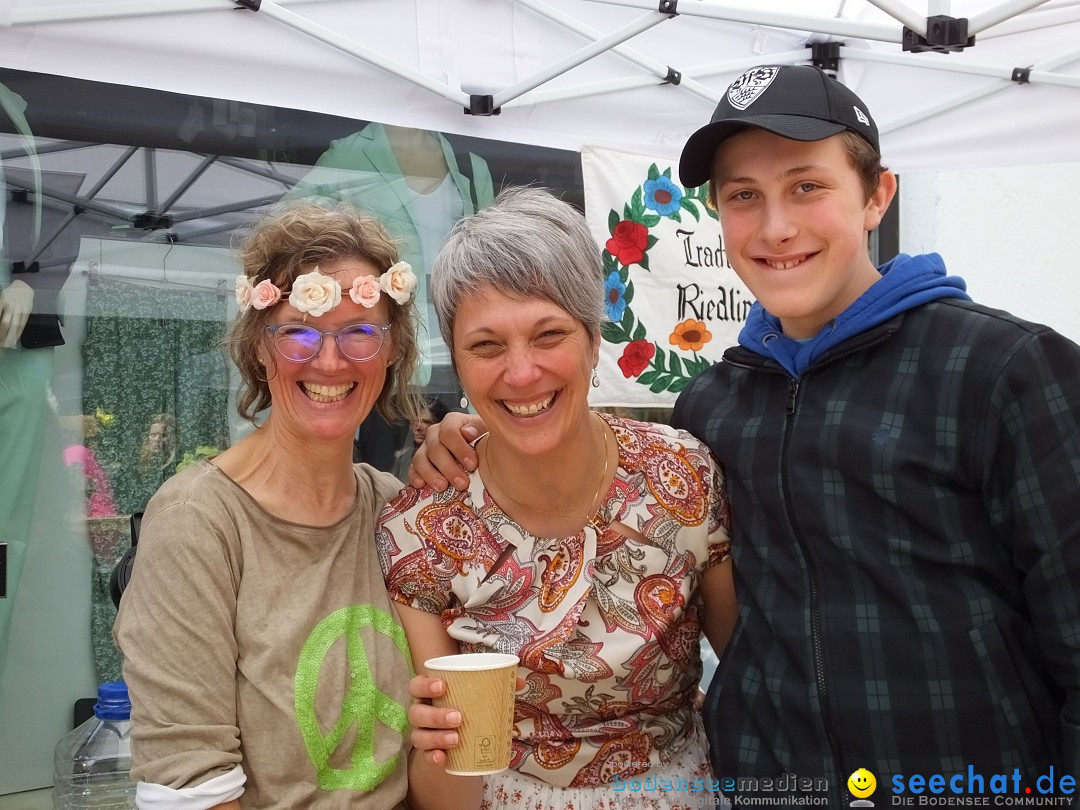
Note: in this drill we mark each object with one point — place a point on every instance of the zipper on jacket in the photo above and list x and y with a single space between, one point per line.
815 608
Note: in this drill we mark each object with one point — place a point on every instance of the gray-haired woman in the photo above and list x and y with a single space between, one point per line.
594 548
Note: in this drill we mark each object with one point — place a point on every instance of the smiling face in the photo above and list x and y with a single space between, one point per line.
525 364
795 218
862 783
327 397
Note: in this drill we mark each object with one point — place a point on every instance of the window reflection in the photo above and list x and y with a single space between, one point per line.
124 202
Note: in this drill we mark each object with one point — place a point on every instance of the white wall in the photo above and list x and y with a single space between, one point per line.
1010 233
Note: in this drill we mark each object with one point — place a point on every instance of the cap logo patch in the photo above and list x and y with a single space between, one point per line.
748 87
861 116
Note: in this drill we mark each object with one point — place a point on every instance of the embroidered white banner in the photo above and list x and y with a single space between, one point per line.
673 301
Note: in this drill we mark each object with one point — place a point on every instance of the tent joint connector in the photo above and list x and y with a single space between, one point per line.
1022 75
673 76
669 7
250 5
943 35
825 56
150 221
483 105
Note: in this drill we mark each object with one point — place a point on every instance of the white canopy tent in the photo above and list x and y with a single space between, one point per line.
638 75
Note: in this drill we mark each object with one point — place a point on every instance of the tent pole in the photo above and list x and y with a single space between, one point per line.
992 16
105 11
331 38
643 23
657 68
901 13
1043 74
1032 22
754 16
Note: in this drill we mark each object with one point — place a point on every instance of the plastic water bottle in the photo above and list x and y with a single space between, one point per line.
92 762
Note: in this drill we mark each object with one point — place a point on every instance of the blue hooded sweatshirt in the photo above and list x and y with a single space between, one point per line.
907 281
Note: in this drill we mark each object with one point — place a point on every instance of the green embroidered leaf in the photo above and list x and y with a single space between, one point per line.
679 385
613 333
653 172
628 293
667 172
639 332
675 365
686 205
660 384
644 263
612 220
637 205
659 360
650 220
648 377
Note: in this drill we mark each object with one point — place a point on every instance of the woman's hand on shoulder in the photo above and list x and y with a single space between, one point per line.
446 456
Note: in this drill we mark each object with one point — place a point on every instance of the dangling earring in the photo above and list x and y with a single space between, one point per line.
595 379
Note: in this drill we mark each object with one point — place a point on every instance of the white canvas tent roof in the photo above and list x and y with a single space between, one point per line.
569 73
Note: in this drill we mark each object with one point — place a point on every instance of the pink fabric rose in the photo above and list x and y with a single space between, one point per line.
265 294
365 291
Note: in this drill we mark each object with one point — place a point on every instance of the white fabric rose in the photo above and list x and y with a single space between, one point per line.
399 282
315 294
244 292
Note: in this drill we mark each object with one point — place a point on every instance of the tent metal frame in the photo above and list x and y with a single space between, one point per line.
1007 18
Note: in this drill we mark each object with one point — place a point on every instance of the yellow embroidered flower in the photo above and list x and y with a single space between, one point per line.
690 335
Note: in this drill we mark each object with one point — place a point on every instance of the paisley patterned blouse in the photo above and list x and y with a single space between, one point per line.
607 627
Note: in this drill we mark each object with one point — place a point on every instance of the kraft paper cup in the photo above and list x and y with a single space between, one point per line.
481 686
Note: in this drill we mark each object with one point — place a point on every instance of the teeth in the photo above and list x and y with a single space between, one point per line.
783 265
327 393
529 410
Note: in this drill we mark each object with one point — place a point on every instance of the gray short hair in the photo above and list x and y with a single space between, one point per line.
527 244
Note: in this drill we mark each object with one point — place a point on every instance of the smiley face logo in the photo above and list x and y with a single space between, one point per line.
862 783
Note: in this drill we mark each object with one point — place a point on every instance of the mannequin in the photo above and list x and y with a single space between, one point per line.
25 373
418 187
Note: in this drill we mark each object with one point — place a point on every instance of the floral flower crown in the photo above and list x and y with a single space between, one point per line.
316 294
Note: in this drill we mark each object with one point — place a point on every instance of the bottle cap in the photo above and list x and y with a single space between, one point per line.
113 702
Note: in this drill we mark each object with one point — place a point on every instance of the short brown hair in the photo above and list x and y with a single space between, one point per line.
291 240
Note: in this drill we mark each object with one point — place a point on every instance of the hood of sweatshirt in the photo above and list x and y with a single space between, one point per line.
906 282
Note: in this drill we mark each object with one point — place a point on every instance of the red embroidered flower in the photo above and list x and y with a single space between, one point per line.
628 242
635 357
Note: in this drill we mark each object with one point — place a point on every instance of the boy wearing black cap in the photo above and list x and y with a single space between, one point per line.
903 468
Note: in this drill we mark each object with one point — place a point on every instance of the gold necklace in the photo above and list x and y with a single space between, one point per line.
591 518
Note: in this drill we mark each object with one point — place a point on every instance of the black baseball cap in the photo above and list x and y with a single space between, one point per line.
794 101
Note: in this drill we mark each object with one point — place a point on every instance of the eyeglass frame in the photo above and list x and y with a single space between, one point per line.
273 328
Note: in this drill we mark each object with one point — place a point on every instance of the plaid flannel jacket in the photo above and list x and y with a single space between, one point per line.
907 549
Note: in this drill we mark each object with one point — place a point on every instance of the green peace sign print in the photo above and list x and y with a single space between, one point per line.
363 705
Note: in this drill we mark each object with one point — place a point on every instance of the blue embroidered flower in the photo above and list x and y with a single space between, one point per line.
614 303
663 196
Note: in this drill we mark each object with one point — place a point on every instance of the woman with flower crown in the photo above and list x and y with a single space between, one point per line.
594 548
266 664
